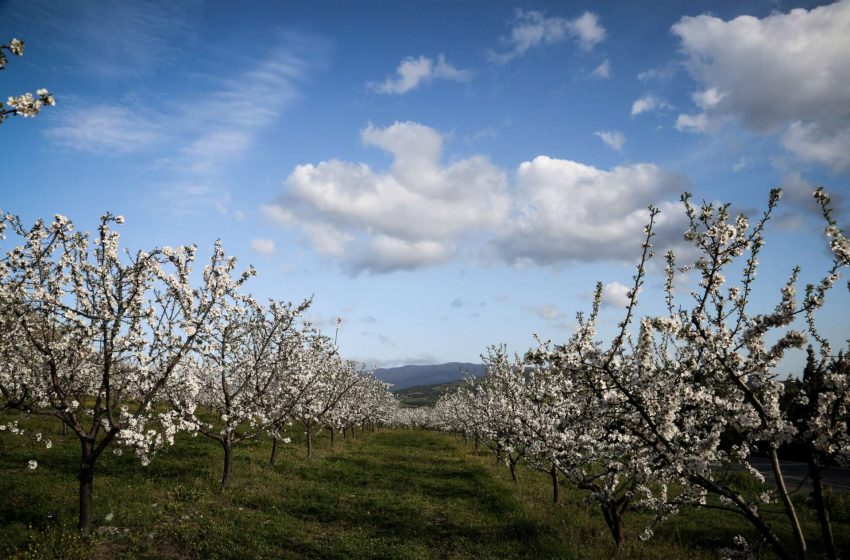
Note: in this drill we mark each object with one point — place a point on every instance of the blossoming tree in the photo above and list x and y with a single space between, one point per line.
239 373
90 335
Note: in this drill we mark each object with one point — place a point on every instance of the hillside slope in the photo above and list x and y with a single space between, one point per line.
412 376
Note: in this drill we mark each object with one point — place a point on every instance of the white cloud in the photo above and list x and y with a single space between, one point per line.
421 212
410 216
661 74
614 139
787 71
107 129
708 98
548 312
197 134
603 71
692 123
586 30
648 103
263 246
615 294
797 198
414 72
326 239
532 29
127 40
567 211
740 164
829 145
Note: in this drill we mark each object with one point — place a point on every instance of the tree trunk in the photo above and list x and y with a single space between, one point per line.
789 506
86 477
275 445
556 488
820 508
333 436
227 444
343 432
309 443
615 525
512 464
751 514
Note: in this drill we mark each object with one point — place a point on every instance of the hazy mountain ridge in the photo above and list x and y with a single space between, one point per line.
403 377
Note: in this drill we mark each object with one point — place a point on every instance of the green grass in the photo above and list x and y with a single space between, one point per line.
387 494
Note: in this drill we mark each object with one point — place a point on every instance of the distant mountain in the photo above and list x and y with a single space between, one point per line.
411 376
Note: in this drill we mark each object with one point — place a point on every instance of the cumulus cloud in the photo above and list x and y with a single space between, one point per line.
614 139
615 294
409 216
568 211
785 72
414 72
648 103
533 29
422 212
826 144
263 246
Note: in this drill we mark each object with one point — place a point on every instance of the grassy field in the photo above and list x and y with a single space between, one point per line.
387 494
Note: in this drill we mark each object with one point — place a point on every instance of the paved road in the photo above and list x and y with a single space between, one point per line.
795 473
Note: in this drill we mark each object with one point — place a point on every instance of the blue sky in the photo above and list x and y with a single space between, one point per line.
442 175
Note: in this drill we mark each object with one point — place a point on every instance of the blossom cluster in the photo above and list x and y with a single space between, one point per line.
27 104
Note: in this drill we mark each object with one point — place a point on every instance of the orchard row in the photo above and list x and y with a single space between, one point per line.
667 414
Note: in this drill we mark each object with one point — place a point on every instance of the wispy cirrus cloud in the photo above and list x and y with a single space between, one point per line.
123 40
603 71
194 137
107 129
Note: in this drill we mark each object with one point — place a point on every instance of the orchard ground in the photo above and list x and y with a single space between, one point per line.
383 494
